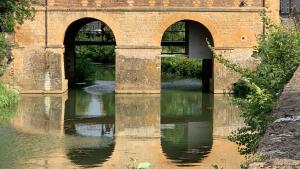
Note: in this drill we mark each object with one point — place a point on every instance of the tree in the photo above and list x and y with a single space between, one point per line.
11 13
15 11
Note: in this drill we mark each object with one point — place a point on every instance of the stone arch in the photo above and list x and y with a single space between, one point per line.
69 44
197 37
206 22
80 22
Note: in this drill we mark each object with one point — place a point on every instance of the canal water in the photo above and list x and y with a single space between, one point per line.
91 127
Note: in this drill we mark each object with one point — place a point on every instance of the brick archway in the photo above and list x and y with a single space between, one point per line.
70 44
194 44
172 19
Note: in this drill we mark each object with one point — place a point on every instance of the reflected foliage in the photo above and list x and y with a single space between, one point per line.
180 144
185 104
90 157
186 126
82 100
109 104
105 73
7 112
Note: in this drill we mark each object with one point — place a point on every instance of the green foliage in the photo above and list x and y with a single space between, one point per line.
15 11
278 51
85 69
105 72
109 104
97 54
8 96
181 67
3 49
175 33
256 109
134 165
8 100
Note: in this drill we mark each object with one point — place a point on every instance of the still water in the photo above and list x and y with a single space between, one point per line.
94 128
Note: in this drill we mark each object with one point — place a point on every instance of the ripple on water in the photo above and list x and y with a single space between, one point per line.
101 87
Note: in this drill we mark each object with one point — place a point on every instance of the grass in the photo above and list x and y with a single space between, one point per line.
8 102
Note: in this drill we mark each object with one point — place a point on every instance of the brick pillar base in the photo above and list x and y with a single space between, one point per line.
223 77
138 69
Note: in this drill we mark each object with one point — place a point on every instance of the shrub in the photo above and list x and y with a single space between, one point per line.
8 99
279 52
181 67
3 47
85 69
97 54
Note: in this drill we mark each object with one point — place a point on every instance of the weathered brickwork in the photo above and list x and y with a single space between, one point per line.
138 32
180 3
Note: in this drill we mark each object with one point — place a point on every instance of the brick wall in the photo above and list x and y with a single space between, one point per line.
138 36
178 3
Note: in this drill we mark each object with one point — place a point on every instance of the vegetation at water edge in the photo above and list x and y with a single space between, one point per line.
257 91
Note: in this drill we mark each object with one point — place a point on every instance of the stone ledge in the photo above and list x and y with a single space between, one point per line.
137 47
156 9
276 164
281 143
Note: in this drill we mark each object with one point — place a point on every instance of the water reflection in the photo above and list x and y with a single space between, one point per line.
40 114
138 116
176 129
187 127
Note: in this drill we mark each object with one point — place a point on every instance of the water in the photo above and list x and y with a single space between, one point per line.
95 128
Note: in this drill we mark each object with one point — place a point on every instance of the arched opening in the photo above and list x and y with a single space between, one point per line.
186 54
89 51
89 111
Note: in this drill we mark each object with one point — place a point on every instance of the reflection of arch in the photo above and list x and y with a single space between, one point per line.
187 139
189 147
70 43
91 157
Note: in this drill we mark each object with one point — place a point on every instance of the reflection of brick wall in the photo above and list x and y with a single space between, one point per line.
179 3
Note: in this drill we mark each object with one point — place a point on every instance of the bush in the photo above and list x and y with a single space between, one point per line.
8 100
181 67
85 69
97 54
3 47
279 52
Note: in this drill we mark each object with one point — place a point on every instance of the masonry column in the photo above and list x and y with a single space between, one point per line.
224 78
138 69
55 81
